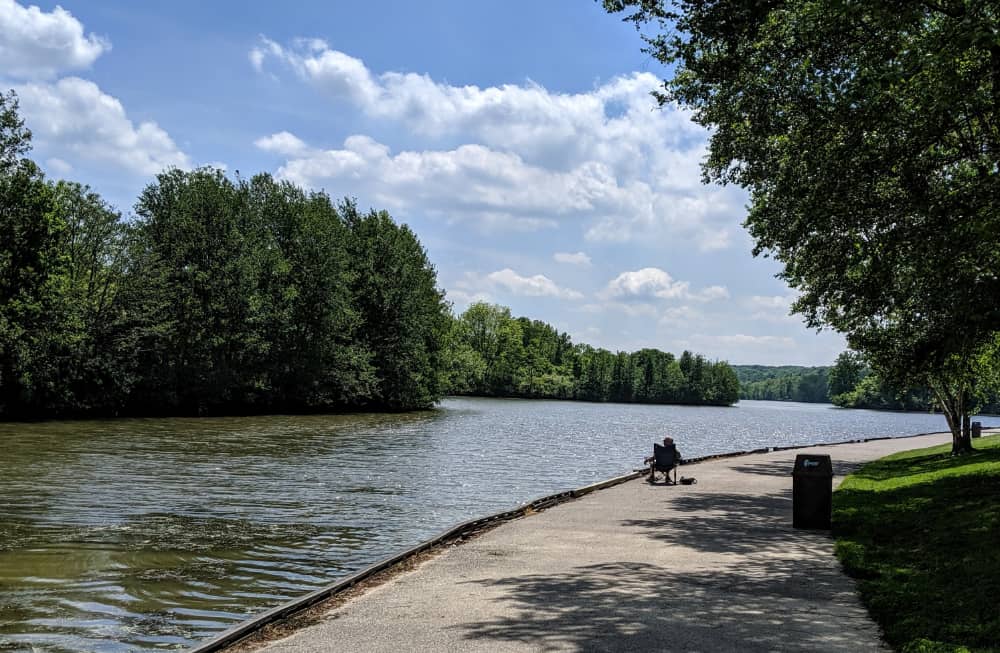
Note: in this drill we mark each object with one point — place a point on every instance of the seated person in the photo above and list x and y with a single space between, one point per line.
671 454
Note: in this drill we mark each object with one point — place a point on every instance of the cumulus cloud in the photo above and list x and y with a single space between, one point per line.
579 258
608 158
475 287
538 285
468 182
74 116
71 119
35 44
653 283
526 117
283 143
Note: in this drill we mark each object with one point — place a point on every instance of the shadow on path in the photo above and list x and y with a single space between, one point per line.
761 585
784 468
730 523
771 604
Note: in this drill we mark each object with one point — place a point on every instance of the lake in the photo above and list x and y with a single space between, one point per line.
139 534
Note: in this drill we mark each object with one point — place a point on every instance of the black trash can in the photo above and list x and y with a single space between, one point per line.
977 429
812 491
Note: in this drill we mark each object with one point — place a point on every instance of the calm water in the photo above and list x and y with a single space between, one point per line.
154 533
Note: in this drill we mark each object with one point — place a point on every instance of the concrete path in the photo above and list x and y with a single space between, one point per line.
710 567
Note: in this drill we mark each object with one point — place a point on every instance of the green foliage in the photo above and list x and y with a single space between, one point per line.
15 138
32 274
785 383
919 532
91 346
867 136
752 373
221 296
874 392
495 354
846 373
404 320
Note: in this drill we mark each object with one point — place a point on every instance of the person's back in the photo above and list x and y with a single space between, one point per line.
665 454
665 457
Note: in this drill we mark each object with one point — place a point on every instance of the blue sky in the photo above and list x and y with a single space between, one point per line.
517 139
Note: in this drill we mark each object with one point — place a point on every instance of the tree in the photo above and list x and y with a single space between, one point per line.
32 272
303 305
497 339
196 274
96 361
15 138
868 135
404 317
845 374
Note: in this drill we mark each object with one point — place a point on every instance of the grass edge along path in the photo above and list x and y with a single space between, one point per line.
920 533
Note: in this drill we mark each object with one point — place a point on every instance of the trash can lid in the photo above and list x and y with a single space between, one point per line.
812 464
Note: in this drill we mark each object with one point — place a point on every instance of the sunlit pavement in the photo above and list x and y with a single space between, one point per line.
714 566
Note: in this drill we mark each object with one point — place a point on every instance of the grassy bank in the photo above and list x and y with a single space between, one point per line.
920 530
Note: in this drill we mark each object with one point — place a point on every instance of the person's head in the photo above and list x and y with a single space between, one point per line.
668 440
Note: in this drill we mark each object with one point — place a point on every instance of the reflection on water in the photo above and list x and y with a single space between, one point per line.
154 533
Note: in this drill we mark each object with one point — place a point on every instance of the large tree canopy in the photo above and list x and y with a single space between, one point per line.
868 136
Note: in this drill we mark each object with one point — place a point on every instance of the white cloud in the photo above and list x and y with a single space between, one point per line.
712 293
578 258
680 316
462 299
607 158
653 283
256 58
475 287
35 44
58 166
469 182
525 117
535 286
73 116
772 308
283 143
646 283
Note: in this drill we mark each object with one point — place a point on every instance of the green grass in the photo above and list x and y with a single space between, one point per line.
920 531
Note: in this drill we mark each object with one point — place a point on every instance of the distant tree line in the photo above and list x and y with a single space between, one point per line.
220 296
849 383
783 383
498 355
854 385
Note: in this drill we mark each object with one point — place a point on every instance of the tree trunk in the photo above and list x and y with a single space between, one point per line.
966 432
955 412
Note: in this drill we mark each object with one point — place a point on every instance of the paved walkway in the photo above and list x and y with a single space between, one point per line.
712 567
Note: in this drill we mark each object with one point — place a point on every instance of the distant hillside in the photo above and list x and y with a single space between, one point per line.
783 382
751 373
